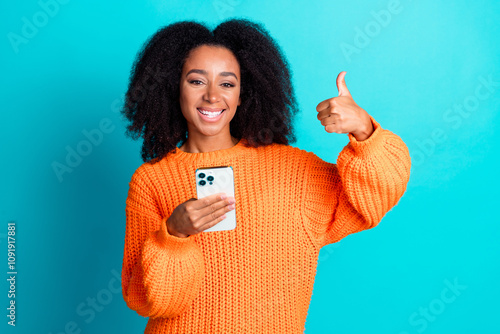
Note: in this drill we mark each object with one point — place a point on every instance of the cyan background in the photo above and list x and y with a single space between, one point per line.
412 75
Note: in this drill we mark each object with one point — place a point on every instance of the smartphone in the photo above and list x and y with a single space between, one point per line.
213 180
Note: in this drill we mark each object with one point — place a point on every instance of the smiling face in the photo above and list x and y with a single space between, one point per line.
209 92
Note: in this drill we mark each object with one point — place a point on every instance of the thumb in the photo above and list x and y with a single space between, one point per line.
341 86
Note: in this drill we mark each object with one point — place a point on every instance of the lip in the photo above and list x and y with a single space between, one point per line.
210 109
211 119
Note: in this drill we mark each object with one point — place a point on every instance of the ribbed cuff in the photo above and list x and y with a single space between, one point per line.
369 144
169 240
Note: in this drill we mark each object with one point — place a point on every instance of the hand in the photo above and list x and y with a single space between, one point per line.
342 115
196 215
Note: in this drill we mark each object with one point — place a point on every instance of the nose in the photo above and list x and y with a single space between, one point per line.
211 94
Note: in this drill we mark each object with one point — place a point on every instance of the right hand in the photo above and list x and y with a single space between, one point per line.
196 215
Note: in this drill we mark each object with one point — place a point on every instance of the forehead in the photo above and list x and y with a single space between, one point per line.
208 56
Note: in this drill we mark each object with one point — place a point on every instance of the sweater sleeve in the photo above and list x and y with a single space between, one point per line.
353 195
161 273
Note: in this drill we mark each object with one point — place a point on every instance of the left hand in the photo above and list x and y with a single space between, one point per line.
342 115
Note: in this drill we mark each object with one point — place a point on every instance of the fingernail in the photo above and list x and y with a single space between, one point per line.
222 196
231 201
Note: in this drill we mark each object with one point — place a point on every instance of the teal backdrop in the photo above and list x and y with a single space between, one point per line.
429 71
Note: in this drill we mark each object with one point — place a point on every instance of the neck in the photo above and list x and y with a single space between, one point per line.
208 144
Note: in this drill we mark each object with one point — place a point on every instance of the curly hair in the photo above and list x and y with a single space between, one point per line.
152 105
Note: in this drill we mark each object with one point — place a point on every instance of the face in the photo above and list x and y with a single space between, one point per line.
209 92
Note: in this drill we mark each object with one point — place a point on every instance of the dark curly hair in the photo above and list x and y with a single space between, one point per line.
152 104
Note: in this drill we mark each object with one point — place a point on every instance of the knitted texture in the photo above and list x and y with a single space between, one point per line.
257 278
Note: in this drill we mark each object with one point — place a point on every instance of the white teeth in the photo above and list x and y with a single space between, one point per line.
210 113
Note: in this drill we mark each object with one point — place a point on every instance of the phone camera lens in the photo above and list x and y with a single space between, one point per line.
210 178
202 182
201 175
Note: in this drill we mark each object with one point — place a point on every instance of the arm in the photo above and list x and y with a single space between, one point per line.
353 195
161 273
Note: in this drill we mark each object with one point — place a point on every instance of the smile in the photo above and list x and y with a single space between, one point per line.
212 113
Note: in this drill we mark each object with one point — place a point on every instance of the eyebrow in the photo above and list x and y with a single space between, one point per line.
224 74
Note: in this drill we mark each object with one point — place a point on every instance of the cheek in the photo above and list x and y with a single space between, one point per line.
185 99
184 95
236 98
184 104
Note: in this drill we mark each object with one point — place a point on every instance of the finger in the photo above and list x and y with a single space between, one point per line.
327 113
333 128
208 200
208 225
341 85
212 218
328 104
211 208
329 120
323 105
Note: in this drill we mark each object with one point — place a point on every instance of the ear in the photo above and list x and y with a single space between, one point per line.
239 101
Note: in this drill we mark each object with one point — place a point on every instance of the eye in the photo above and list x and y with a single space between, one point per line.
227 85
195 82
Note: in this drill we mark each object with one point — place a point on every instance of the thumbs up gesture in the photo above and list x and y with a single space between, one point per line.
342 115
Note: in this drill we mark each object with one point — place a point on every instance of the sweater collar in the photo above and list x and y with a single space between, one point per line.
209 156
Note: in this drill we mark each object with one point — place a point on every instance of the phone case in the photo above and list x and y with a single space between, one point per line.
215 180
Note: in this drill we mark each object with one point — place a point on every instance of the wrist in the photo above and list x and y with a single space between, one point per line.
173 232
364 133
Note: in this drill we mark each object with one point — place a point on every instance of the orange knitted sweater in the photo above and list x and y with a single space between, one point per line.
257 278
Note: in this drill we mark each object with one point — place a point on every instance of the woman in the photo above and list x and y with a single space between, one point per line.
202 98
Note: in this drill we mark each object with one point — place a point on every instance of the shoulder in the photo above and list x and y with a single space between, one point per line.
287 156
299 154
288 150
145 172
